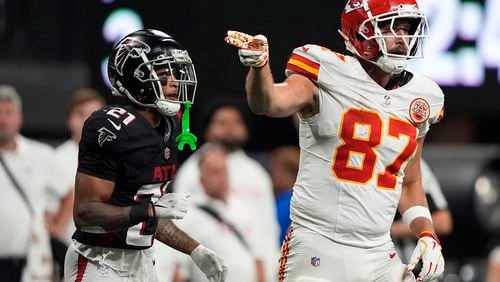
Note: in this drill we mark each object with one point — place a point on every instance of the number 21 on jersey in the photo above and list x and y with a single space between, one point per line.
362 132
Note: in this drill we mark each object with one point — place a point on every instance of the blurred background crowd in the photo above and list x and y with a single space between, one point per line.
52 76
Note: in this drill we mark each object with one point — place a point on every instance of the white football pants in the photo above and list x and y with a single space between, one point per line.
308 256
90 263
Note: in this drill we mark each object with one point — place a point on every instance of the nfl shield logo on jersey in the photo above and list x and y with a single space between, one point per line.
103 269
315 261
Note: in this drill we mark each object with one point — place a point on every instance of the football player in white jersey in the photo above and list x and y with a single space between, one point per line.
363 120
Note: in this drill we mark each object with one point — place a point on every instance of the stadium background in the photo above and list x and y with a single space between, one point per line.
50 48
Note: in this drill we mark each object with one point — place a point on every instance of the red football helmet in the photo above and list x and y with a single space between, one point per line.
361 21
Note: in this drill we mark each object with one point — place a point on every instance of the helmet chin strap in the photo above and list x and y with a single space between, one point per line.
392 66
167 108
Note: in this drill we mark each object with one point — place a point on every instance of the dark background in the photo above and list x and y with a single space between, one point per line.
66 36
50 48
72 34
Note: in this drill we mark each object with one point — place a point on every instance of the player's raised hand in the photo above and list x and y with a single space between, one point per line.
253 50
428 250
171 206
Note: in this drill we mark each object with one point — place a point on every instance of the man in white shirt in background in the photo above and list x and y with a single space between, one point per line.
28 174
251 193
209 222
84 102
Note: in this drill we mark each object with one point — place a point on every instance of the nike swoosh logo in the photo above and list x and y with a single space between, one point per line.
392 255
116 126
305 49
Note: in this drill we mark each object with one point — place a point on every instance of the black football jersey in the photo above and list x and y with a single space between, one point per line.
119 145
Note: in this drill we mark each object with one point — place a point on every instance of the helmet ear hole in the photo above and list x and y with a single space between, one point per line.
370 48
358 36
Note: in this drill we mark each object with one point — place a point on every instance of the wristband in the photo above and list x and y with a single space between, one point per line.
139 213
429 234
414 212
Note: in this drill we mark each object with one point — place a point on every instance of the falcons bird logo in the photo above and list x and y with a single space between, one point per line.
129 48
105 135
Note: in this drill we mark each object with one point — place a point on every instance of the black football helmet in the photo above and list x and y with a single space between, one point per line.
132 69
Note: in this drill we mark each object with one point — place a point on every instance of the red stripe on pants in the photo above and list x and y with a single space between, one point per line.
82 265
284 255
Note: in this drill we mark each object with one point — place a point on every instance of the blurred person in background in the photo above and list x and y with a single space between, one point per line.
210 222
28 174
283 167
127 159
438 206
251 195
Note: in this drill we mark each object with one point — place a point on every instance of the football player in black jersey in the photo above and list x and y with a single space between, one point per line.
127 157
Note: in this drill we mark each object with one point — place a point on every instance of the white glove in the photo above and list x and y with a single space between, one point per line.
253 50
428 250
210 263
171 206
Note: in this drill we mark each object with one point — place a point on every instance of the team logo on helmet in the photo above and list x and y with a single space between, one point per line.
353 5
419 111
129 48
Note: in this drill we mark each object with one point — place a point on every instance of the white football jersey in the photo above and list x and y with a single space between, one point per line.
355 150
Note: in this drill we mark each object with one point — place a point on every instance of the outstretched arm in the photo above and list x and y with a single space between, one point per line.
279 99
264 95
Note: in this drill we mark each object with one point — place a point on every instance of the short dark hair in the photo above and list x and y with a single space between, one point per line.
224 101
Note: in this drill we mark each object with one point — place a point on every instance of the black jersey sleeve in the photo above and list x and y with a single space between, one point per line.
100 147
